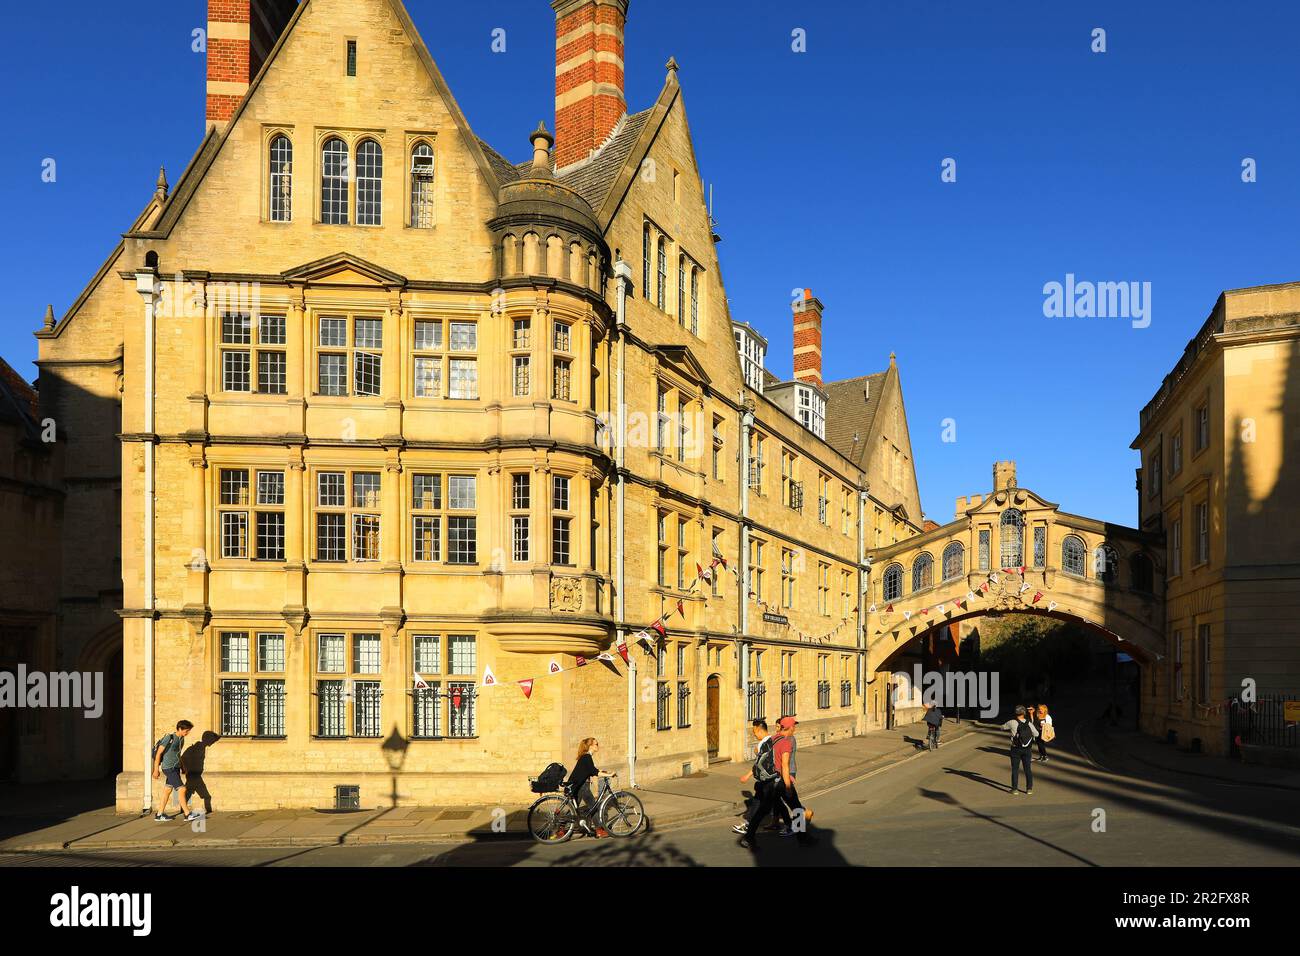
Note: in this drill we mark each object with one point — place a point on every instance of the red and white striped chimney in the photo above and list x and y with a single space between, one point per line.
589 99
241 34
808 339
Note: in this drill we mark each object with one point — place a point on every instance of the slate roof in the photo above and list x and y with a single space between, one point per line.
18 400
506 171
593 178
849 412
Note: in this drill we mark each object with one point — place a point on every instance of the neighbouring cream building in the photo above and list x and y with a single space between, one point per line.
397 414
1220 482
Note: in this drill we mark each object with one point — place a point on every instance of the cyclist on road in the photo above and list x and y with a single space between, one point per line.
580 786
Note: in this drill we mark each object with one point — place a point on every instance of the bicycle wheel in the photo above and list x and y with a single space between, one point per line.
552 820
623 814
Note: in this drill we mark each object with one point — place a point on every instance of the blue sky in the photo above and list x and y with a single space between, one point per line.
1116 166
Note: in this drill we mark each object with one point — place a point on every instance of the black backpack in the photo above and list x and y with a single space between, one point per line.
765 763
548 781
1024 735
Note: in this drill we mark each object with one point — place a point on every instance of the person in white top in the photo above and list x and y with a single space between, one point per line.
1046 732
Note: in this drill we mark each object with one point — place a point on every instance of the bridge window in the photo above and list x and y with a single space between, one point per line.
922 572
985 547
1143 573
893 582
1072 552
1013 538
1040 546
954 561
1105 564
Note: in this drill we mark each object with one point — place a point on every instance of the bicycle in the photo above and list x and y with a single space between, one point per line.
555 817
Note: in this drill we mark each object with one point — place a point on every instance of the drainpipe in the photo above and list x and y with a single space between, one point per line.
864 573
623 275
742 559
146 283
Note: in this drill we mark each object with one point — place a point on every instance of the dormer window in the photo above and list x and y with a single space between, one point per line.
422 186
812 409
753 352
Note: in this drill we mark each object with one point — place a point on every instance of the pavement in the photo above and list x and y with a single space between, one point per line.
1092 805
1164 756
36 822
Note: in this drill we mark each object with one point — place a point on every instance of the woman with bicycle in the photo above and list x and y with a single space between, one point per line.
580 786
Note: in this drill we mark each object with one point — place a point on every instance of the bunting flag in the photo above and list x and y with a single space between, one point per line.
644 638
970 595
488 677
659 628
420 683
907 615
939 609
1051 605
582 661
984 588
605 656
681 609
1023 588
993 578
456 697
1038 596
527 687
890 609
554 667
870 610
924 611
622 648
958 603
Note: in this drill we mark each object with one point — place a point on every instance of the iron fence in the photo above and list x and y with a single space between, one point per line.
1262 723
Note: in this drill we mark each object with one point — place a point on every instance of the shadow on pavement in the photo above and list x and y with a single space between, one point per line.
942 797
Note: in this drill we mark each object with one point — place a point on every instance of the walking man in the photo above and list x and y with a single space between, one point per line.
1023 736
764 775
784 750
167 763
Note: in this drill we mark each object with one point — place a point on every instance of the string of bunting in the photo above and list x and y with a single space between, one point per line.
707 574
622 645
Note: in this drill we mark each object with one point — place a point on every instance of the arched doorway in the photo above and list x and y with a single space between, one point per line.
712 722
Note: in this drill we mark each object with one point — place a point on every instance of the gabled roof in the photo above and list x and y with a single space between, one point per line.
851 406
213 143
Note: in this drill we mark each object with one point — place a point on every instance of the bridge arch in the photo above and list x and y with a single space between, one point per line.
1071 568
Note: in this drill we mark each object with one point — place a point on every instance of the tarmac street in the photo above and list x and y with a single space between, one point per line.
1106 797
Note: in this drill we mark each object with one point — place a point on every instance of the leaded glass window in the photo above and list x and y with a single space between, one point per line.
1012 534
954 561
893 582
370 183
334 183
1072 555
922 572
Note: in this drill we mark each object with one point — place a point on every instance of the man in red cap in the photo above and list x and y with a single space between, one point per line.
784 751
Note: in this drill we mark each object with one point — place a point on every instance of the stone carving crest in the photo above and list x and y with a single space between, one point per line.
566 594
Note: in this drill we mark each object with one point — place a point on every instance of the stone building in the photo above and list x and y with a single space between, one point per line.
404 424
1220 481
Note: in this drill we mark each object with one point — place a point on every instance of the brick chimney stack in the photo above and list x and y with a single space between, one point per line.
589 99
808 339
241 34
